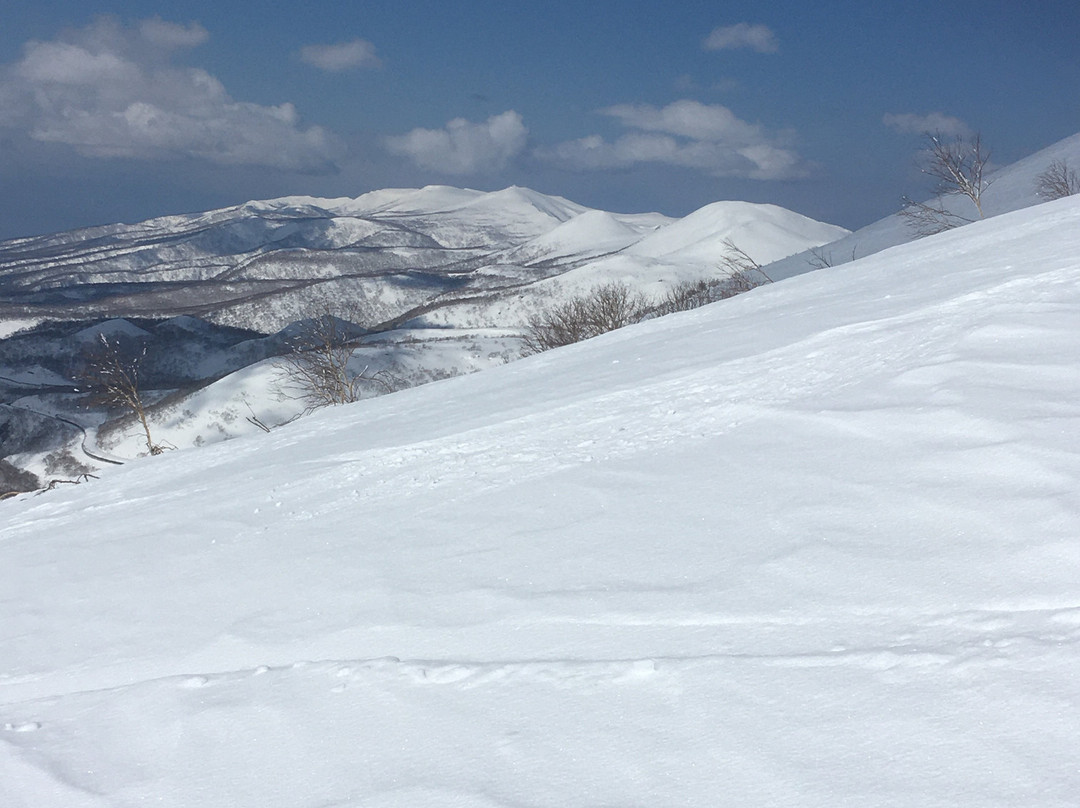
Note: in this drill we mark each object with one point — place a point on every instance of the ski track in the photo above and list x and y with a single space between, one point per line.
879 641
961 651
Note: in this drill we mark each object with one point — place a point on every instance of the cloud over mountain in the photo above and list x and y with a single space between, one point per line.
110 90
463 147
707 137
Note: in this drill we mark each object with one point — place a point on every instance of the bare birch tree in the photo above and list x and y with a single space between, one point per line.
110 372
958 165
317 368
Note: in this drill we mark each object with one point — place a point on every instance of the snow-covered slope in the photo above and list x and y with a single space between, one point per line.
815 545
1012 187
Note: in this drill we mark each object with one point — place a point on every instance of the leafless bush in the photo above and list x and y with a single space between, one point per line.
689 295
1057 181
610 306
819 259
613 306
316 369
959 166
743 274
604 308
695 294
110 373
743 269
927 220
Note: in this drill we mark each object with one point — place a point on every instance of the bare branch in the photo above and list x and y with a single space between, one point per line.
959 167
819 259
1057 182
110 371
926 220
604 308
316 369
739 263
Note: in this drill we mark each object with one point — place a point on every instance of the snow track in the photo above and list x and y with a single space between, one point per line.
393 728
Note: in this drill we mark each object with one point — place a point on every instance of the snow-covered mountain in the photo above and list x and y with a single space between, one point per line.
815 545
264 264
443 279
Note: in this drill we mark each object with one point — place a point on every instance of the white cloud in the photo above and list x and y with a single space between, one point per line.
343 56
463 147
110 91
690 119
689 134
933 123
170 35
743 35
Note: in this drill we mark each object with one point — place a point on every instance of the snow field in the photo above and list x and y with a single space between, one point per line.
815 545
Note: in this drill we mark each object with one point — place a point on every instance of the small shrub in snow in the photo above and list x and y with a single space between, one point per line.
614 305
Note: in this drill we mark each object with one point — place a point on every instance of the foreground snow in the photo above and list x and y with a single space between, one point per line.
816 545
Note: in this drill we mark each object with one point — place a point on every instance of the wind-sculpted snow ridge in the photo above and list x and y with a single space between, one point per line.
813 546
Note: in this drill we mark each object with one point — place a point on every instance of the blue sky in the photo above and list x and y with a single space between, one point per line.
119 111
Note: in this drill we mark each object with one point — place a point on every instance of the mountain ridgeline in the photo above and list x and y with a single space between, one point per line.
264 264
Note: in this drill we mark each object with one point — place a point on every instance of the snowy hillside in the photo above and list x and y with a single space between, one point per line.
812 546
1012 187
441 280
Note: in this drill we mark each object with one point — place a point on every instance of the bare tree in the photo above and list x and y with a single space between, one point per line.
959 166
1057 181
745 272
603 308
317 367
110 372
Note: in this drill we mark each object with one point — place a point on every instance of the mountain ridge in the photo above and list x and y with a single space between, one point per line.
276 252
